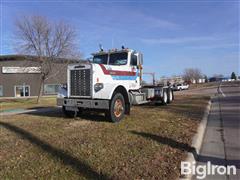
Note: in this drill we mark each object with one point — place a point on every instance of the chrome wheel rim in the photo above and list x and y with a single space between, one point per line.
118 108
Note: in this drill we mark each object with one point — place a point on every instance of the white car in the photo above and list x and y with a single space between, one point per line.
179 87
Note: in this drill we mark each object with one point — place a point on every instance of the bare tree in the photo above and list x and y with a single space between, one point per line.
218 76
48 41
192 74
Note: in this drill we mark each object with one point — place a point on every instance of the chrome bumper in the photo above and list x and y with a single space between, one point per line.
83 103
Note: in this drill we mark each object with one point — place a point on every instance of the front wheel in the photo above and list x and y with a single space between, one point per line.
117 108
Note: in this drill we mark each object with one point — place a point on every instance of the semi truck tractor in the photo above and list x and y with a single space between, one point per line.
112 83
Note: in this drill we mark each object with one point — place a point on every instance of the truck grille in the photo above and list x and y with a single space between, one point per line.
80 82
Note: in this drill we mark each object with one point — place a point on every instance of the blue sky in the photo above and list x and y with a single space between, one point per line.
172 35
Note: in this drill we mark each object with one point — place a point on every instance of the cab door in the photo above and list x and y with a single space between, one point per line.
135 68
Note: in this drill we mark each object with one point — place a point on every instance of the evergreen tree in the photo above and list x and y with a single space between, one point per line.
233 76
206 78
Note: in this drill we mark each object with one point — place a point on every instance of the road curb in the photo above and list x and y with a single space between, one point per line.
198 138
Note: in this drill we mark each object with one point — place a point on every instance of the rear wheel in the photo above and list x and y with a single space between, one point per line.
117 108
165 97
170 96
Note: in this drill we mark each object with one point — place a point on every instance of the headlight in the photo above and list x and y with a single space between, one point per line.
98 87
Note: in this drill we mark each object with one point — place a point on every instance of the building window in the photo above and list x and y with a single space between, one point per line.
22 91
1 90
51 88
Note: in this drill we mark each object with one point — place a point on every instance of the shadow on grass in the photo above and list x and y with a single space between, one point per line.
41 107
187 148
94 117
46 112
65 157
56 112
167 141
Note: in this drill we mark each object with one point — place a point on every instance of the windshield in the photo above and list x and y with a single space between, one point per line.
100 59
118 58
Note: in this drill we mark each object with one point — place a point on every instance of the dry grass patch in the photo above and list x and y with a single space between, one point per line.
6 104
204 85
150 143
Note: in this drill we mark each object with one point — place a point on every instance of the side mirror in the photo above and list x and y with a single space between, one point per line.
140 59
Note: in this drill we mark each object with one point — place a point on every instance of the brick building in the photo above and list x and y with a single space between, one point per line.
20 76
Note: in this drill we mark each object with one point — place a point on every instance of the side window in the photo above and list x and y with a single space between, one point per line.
1 90
133 60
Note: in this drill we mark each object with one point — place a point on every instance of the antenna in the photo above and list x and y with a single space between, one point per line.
101 47
112 42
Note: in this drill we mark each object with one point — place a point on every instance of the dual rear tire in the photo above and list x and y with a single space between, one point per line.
170 96
167 96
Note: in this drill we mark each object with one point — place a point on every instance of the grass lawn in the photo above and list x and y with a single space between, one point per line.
148 144
204 85
26 103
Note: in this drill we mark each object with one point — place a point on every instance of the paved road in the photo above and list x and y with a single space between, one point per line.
221 144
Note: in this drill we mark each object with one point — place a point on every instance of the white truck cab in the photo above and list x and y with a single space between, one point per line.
111 83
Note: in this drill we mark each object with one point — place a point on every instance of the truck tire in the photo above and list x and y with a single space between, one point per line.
117 108
170 96
69 114
165 97
173 95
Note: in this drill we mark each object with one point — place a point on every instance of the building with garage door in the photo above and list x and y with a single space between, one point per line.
20 76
